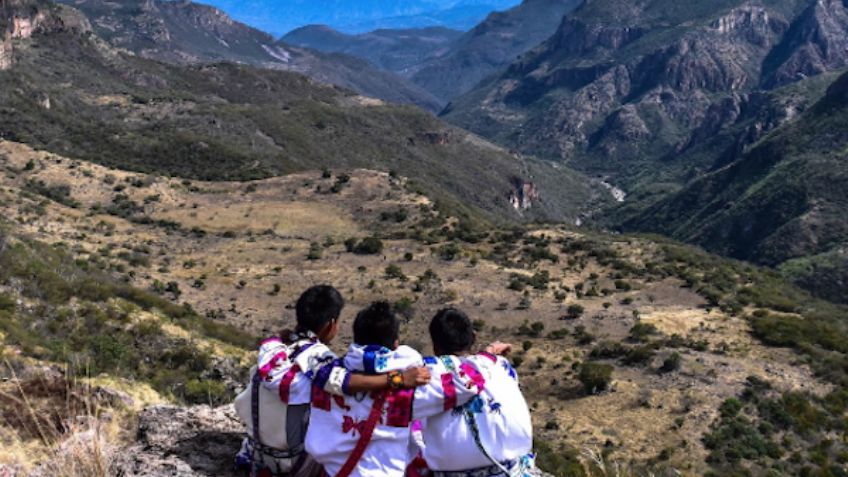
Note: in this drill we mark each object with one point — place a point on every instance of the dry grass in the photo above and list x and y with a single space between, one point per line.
596 465
290 219
56 427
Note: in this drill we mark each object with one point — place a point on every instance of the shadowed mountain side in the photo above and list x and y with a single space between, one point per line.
190 33
393 50
489 47
779 203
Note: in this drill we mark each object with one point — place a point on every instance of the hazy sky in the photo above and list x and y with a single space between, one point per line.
280 16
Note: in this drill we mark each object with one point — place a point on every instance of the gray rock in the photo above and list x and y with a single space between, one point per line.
184 442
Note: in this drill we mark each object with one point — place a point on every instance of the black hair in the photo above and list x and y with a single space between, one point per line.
376 325
451 331
317 307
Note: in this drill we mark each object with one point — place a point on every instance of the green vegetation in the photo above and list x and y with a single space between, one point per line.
595 377
366 246
97 335
57 193
760 428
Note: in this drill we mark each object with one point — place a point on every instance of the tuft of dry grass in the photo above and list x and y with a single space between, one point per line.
52 426
595 464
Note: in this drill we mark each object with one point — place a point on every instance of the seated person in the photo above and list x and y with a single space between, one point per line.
491 435
275 407
368 435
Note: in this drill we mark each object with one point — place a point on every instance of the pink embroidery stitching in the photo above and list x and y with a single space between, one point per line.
286 382
399 413
476 378
264 371
450 391
349 425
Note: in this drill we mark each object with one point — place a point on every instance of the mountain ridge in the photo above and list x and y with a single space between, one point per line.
183 32
363 16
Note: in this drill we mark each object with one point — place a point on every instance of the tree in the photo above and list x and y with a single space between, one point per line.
369 246
394 272
574 311
671 364
595 377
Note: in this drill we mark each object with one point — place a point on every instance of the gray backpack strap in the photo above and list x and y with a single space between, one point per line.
255 384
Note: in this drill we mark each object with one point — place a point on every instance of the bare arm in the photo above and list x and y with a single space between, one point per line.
412 377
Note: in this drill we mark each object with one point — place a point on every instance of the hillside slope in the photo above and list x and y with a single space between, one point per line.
228 121
678 332
782 203
189 33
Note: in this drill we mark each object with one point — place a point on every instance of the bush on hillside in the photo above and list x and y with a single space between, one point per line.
595 377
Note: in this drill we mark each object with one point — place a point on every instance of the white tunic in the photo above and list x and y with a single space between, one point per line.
502 416
288 381
335 421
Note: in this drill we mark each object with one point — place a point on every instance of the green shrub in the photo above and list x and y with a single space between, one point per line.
449 251
561 462
574 311
642 331
394 272
595 377
315 251
368 246
672 363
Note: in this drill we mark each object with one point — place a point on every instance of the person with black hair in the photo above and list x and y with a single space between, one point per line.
275 407
369 435
492 434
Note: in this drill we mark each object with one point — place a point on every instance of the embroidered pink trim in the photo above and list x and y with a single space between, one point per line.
273 339
286 382
450 391
476 378
264 371
399 413
490 356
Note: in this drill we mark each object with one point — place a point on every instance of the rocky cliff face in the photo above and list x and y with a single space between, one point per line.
617 93
523 195
7 51
815 43
779 202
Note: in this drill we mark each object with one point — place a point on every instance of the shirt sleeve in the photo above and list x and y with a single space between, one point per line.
325 369
447 389
485 359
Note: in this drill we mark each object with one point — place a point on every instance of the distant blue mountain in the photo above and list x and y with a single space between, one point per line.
357 16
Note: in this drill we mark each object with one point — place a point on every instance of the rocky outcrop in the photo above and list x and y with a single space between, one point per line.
815 43
7 52
575 37
184 442
621 82
523 194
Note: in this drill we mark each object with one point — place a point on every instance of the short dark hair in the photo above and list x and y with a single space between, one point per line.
376 325
317 307
451 331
